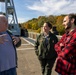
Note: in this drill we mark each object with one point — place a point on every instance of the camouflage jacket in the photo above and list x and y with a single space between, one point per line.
43 50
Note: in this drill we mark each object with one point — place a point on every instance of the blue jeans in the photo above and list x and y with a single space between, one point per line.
9 72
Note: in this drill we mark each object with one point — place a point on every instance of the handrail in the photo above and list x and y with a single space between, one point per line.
34 35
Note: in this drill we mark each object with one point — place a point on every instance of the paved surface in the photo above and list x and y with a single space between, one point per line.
28 63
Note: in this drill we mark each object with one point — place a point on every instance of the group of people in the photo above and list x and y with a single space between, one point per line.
47 48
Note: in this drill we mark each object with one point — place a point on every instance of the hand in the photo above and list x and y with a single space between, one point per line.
2 38
15 39
61 45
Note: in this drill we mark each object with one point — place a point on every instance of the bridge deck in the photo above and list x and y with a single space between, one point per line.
28 63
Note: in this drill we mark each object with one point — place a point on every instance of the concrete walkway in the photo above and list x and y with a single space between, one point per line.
28 63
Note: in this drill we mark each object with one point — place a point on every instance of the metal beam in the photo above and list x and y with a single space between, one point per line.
4 0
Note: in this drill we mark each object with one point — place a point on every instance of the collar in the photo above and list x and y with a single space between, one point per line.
71 32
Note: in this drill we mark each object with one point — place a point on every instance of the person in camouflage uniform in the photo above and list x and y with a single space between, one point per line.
44 49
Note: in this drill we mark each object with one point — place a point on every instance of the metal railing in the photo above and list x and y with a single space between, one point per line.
34 35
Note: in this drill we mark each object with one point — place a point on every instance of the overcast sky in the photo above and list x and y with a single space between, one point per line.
28 9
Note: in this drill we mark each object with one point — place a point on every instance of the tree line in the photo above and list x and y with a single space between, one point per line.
35 24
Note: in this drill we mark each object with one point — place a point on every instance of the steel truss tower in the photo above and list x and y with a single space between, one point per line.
11 16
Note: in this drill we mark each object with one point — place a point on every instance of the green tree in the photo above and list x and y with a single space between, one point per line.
34 26
59 25
41 21
51 19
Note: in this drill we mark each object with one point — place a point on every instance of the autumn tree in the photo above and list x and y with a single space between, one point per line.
51 19
59 25
41 21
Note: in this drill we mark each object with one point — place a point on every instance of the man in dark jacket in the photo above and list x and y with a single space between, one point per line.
8 44
44 48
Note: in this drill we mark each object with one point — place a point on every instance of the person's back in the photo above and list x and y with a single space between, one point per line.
54 30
